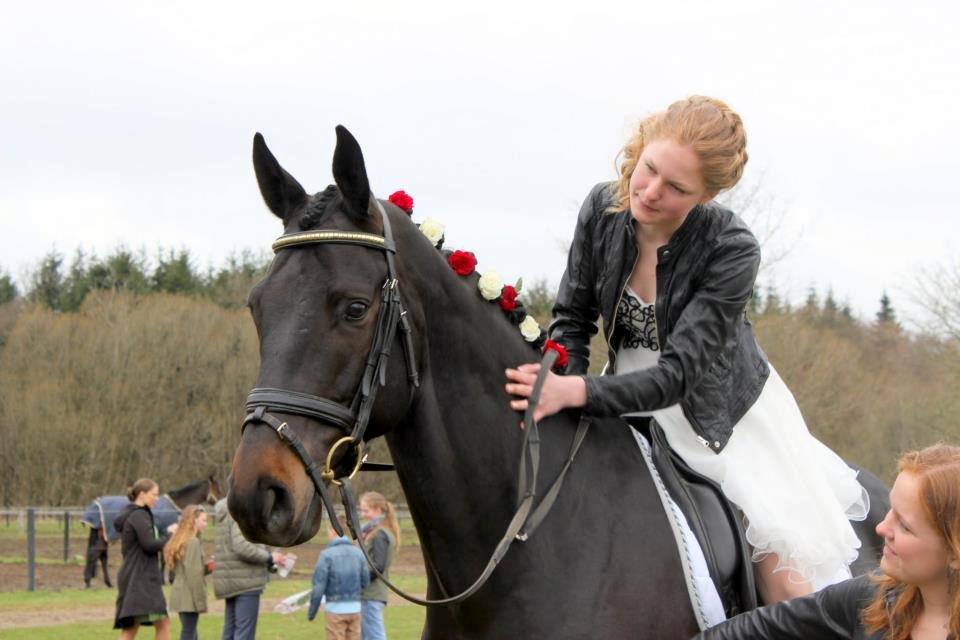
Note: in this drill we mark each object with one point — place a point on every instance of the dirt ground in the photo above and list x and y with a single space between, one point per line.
58 576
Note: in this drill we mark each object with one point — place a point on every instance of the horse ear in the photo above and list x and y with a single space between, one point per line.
282 193
350 174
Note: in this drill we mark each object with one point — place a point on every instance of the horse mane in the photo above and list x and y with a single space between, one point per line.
316 206
323 202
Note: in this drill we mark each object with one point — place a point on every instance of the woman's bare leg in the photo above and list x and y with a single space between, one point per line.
163 629
775 587
130 632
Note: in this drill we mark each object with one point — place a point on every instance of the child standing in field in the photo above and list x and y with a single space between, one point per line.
381 538
340 576
184 555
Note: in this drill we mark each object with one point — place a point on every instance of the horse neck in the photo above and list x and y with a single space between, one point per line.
457 453
190 494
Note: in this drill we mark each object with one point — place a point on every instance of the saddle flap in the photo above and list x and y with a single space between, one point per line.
714 521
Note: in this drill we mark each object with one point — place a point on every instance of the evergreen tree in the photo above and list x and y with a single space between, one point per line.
773 304
47 285
830 310
76 285
174 273
754 306
886 316
846 312
8 288
125 271
812 304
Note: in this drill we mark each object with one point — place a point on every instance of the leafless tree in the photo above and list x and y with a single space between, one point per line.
936 291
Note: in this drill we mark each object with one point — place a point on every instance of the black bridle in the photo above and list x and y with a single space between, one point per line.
351 420
354 419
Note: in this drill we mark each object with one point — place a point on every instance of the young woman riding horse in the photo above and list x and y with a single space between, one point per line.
671 272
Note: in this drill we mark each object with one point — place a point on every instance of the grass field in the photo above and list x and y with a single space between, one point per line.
402 620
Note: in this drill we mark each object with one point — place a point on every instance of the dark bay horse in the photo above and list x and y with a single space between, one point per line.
101 513
602 564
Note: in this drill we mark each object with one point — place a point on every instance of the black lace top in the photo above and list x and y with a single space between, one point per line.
637 321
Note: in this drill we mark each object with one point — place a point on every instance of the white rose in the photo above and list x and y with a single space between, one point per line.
490 285
529 329
432 229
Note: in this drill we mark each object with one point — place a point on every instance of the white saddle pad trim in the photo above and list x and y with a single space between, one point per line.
706 603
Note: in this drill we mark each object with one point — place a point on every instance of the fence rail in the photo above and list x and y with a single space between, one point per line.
27 517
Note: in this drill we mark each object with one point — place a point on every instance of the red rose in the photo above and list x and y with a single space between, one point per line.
562 359
463 262
508 298
403 200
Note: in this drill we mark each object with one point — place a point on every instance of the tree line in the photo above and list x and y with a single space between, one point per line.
118 367
62 285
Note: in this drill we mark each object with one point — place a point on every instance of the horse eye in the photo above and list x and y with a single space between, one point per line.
356 310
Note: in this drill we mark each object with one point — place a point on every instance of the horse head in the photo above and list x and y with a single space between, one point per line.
215 490
319 314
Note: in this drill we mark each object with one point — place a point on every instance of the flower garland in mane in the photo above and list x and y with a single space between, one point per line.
490 285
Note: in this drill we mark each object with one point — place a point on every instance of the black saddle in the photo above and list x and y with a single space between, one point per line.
714 520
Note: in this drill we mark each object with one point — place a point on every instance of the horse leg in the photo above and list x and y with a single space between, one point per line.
93 551
104 562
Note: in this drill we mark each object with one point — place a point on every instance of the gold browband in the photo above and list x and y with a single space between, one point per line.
316 237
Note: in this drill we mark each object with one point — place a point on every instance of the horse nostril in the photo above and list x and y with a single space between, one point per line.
276 507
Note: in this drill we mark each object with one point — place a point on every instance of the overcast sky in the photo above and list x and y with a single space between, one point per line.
131 122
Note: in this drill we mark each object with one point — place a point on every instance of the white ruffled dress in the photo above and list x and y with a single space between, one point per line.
797 495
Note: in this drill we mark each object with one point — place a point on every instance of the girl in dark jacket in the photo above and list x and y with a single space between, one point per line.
916 597
671 273
140 599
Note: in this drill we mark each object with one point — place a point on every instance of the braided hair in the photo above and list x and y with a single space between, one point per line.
708 126
316 207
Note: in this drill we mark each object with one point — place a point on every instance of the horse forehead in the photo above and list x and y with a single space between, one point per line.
322 269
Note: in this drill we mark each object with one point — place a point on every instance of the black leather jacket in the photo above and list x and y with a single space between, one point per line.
709 359
830 614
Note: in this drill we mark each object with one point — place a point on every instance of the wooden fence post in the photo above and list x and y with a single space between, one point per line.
31 549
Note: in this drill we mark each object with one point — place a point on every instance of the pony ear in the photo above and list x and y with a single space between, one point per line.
282 193
350 174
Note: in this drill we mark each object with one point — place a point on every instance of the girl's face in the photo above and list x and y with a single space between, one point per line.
201 521
913 551
369 513
666 184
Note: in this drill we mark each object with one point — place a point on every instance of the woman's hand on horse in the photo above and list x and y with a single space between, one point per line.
557 393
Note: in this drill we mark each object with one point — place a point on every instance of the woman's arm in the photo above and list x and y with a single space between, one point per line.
251 553
712 316
192 570
379 552
143 527
830 614
318 586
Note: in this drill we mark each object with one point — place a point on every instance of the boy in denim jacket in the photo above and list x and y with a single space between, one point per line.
340 575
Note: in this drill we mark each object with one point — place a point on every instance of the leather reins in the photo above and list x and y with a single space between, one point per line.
354 419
